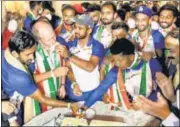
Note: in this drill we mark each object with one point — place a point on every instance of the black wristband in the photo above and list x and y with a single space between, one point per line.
70 55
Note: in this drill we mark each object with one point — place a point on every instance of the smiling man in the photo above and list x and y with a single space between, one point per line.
85 54
170 87
167 18
49 69
66 29
149 42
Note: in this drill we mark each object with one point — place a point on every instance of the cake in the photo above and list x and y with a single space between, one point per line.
70 121
106 123
129 117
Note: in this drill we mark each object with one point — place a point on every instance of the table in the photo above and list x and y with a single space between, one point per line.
47 117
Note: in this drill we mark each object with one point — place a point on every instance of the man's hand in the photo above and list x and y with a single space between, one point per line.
72 37
166 86
60 71
74 107
147 55
159 109
135 106
62 91
62 50
108 59
7 107
76 90
79 112
106 98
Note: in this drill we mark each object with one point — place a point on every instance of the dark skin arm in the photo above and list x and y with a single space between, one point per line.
159 52
102 72
37 95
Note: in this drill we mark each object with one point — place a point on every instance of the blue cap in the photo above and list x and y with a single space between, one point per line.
145 10
84 19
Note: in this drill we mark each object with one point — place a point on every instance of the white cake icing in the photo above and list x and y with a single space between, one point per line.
131 117
106 123
70 121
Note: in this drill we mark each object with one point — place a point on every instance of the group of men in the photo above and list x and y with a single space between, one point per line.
93 57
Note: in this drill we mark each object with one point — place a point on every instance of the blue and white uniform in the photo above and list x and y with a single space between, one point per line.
87 81
155 41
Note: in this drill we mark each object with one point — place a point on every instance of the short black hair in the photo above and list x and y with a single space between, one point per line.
34 3
47 5
137 2
108 3
126 7
120 25
169 7
121 13
67 6
21 40
85 4
123 46
93 7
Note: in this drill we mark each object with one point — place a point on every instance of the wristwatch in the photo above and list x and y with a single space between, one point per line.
70 55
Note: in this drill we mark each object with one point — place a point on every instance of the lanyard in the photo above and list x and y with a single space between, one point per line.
146 40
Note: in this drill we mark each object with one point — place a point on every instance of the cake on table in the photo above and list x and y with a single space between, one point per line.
106 123
70 121
128 117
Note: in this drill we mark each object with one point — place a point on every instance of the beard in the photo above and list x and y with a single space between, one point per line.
81 36
26 62
142 29
165 25
106 21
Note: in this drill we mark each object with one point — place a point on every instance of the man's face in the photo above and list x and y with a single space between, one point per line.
107 15
81 31
38 8
45 12
142 22
172 45
140 4
118 34
166 19
47 38
121 61
95 15
68 14
27 56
